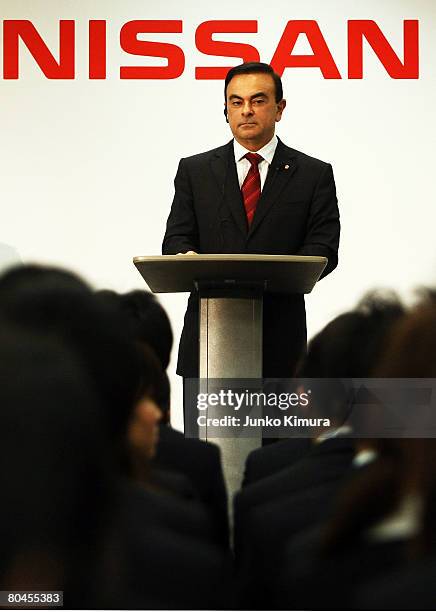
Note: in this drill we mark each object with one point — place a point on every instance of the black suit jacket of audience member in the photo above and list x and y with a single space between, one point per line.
174 484
297 214
161 506
165 557
270 527
326 462
264 536
409 588
201 462
273 458
310 583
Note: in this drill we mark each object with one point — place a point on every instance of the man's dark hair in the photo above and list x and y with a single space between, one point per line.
255 68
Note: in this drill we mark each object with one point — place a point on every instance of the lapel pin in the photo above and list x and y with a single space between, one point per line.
283 166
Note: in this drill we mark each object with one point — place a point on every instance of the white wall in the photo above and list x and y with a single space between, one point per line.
86 167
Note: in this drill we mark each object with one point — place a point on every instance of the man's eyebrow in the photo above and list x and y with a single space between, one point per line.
260 94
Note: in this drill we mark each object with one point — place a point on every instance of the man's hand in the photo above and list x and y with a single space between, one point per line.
188 253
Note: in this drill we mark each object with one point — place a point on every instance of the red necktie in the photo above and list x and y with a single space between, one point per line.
251 186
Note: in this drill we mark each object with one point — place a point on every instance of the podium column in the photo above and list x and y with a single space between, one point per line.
231 348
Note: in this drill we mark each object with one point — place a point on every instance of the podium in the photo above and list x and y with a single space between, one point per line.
230 290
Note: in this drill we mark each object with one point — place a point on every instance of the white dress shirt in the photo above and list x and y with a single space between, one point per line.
243 165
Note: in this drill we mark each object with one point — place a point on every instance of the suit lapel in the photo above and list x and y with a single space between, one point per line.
224 169
282 168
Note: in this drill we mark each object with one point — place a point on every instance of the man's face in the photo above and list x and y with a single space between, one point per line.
252 110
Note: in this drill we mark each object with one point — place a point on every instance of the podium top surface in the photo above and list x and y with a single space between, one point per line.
278 273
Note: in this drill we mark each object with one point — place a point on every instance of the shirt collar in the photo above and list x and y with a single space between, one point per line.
267 151
404 522
336 432
364 457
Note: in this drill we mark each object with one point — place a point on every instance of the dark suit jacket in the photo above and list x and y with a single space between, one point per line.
272 458
410 588
164 556
270 527
310 582
266 532
326 462
184 516
174 484
297 214
201 462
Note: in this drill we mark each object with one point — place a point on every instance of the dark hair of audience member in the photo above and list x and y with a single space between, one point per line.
57 492
148 324
142 430
347 348
405 465
56 302
154 382
148 321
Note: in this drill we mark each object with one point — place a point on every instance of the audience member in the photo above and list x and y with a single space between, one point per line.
57 478
272 510
177 538
56 302
198 460
383 522
333 356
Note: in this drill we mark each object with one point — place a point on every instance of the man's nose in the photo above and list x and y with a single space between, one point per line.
247 108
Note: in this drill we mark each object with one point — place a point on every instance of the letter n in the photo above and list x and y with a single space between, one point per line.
14 29
357 29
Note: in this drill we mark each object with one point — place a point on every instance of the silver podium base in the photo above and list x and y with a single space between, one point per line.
231 348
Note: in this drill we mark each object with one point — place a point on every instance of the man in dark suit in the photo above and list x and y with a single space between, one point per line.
254 195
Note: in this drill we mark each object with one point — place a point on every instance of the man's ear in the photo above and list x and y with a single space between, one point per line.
225 112
280 108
